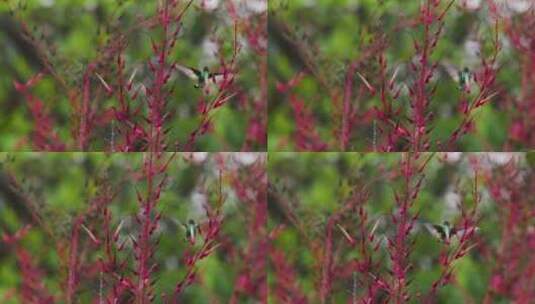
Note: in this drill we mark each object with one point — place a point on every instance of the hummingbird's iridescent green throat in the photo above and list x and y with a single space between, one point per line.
203 77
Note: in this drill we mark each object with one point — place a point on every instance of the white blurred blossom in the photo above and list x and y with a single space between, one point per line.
246 159
209 50
47 3
472 49
520 6
250 7
452 157
196 157
256 6
452 200
207 5
198 201
511 7
500 158
471 4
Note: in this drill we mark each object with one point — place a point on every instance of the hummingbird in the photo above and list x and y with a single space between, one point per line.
445 232
463 77
203 77
191 229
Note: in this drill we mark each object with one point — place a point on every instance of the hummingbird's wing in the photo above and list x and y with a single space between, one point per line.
180 224
202 225
450 70
191 73
217 78
435 230
460 232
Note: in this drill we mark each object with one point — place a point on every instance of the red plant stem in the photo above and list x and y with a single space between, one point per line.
326 275
327 258
252 193
513 272
156 101
153 166
33 289
286 289
73 260
400 252
260 108
206 248
421 96
161 70
109 264
145 251
400 247
420 100
347 111
519 30
366 265
206 117
85 115
120 83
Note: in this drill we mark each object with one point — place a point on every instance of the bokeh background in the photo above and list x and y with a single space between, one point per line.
59 187
321 37
68 35
307 188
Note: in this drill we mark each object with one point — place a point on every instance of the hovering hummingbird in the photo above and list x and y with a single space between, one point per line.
203 77
463 77
192 228
445 232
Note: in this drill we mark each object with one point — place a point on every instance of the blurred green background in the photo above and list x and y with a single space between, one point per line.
68 35
321 37
60 186
313 186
